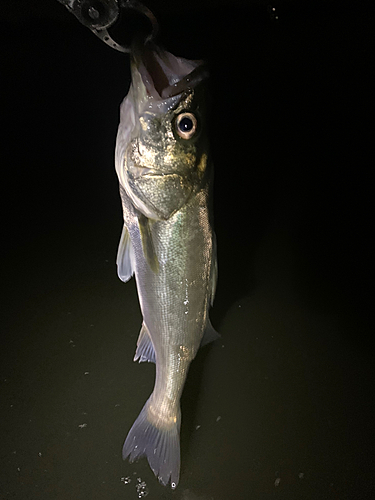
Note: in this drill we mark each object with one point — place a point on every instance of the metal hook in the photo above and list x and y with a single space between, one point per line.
100 15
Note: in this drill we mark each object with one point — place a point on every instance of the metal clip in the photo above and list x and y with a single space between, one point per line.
101 15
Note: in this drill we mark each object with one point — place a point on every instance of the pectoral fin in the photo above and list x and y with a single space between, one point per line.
145 348
147 243
125 256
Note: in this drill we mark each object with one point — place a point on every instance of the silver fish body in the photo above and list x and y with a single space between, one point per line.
165 174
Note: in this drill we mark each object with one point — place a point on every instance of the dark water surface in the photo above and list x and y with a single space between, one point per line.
282 405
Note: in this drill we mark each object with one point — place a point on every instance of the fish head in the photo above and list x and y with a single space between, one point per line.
165 160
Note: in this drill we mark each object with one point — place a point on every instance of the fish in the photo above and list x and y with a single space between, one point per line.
165 174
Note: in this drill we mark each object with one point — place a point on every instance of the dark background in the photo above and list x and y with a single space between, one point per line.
291 133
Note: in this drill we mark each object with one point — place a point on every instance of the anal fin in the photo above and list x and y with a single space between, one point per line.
145 348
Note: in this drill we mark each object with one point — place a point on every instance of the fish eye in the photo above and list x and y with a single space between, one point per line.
186 125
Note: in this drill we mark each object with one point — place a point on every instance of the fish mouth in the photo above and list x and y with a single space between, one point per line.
163 74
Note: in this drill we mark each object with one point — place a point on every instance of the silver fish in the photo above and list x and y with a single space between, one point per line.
165 174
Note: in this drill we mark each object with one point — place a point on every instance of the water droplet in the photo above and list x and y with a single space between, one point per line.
141 488
301 475
272 13
277 481
218 418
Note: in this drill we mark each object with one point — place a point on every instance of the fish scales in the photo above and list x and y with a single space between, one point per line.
168 243
174 301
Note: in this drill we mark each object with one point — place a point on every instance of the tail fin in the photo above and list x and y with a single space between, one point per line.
161 447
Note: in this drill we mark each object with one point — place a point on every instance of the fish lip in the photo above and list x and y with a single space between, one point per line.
156 173
138 171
